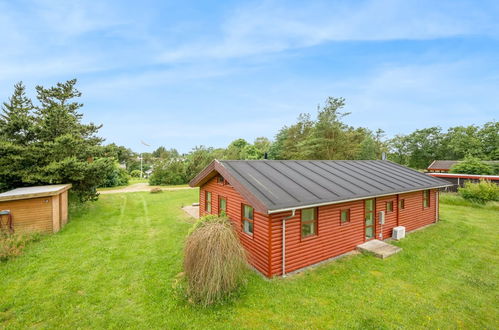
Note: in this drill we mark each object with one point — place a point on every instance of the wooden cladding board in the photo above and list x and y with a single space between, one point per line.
414 215
333 237
63 205
30 215
256 245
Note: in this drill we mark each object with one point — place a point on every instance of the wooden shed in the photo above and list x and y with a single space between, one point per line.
35 209
293 214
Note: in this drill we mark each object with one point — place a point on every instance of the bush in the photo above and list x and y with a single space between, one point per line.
12 244
168 172
116 177
135 174
481 192
472 165
214 261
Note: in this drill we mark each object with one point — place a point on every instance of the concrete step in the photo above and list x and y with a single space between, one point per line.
378 248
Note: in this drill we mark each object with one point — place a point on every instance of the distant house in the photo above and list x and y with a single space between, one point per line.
293 214
444 166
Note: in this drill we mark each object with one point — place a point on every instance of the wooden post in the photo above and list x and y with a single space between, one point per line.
56 214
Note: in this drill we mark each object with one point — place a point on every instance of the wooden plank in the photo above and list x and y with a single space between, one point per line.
30 215
56 215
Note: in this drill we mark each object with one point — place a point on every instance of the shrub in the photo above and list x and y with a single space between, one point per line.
481 192
166 172
472 165
214 261
135 174
116 177
12 244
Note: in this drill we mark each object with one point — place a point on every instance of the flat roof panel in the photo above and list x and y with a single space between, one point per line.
33 192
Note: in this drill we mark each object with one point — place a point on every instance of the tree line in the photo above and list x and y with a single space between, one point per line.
327 136
47 143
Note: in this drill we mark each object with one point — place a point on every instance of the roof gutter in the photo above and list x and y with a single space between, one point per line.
284 241
351 200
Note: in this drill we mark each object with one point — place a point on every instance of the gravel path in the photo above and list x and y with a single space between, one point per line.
143 186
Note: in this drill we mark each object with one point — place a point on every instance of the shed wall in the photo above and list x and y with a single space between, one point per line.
257 245
30 215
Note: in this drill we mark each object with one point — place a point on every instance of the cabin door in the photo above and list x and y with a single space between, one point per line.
369 223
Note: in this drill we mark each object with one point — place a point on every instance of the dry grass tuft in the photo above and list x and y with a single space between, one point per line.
12 245
214 261
156 190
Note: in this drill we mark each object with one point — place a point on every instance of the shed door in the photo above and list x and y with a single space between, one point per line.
369 223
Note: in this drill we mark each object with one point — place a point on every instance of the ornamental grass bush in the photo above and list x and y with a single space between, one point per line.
214 261
481 192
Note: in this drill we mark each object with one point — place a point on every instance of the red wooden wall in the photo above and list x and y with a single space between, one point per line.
414 215
257 245
333 238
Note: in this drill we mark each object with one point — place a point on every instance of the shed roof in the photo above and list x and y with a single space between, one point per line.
447 164
33 192
280 185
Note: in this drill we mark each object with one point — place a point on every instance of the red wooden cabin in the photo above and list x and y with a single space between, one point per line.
293 214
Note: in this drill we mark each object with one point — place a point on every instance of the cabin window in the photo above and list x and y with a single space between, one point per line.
345 216
402 204
389 206
222 205
248 219
220 179
309 222
207 202
426 198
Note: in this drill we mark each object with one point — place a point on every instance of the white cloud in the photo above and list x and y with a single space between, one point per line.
269 27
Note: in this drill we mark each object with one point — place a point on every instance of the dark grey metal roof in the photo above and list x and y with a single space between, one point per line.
285 184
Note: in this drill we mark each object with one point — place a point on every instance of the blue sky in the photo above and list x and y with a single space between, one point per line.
182 74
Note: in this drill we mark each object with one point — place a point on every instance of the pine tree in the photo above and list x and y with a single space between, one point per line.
48 144
16 120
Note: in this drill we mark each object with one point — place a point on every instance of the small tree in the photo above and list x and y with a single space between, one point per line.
214 260
472 165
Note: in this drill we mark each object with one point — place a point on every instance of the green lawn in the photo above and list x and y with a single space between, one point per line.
115 264
133 181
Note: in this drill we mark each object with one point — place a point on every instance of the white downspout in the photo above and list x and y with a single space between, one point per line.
437 206
284 241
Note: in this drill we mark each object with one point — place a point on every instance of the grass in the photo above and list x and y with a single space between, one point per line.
139 180
116 264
